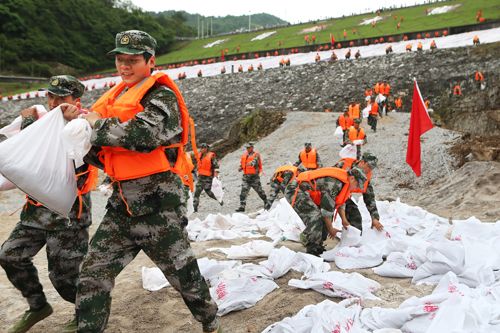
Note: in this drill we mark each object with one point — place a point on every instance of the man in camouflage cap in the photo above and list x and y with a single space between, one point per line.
315 196
208 168
139 139
367 163
66 239
309 157
251 166
282 176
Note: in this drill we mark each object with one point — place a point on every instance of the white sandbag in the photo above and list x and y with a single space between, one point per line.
36 162
324 317
6 184
339 132
398 265
366 111
350 257
358 142
190 204
338 284
15 127
349 151
76 140
242 293
282 222
252 249
217 189
153 278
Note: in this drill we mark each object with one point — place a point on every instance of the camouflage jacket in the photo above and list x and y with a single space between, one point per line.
42 218
368 197
287 176
329 187
157 125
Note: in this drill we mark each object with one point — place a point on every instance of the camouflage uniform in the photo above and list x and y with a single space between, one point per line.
351 209
313 216
66 239
277 186
157 204
204 183
252 181
318 160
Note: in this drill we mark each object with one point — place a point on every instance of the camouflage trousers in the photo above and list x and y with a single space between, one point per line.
65 251
353 215
115 244
204 183
315 232
248 182
275 190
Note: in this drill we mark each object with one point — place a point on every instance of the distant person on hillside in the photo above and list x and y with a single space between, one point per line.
223 70
457 90
333 57
287 62
260 67
309 158
345 122
356 134
373 114
251 166
250 68
240 68
408 47
388 49
433 45
398 103
345 34
420 47
313 39
306 40
317 58
348 54
479 79
357 55
476 41
208 168
200 73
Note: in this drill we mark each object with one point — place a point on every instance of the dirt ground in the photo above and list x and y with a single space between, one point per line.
470 190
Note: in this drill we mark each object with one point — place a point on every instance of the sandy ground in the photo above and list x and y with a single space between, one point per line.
472 190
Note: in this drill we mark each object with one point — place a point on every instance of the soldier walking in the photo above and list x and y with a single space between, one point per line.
208 168
140 128
251 166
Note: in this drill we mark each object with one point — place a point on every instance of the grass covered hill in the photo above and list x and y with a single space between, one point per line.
411 19
226 24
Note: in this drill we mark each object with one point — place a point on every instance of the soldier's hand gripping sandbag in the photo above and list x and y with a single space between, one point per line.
36 162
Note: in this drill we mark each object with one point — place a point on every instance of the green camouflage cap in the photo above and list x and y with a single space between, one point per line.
65 85
357 120
133 42
358 174
307 144
203 145
370 159
249 144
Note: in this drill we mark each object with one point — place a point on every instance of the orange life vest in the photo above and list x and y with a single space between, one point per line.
278 174
189 161
387 89
398 102
311 176
347 165
374 109
123 164
479 76
356 134
246 161
377 88
308 159
457 90
420 46
345 122
205 166
368 92
354 111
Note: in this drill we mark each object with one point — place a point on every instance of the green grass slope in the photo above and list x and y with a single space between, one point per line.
415 19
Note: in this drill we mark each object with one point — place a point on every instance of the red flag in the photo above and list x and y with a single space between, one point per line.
420 122
332 39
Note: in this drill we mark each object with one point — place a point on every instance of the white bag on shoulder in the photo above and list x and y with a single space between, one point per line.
36 162
349 151
76 140
15 127
339 133
217 189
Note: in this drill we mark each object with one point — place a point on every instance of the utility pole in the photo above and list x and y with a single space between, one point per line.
249 21
211 26
202 26
198 26
208 27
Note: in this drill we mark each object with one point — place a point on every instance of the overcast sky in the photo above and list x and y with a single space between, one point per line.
290 10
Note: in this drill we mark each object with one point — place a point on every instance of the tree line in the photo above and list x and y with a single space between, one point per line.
48 37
